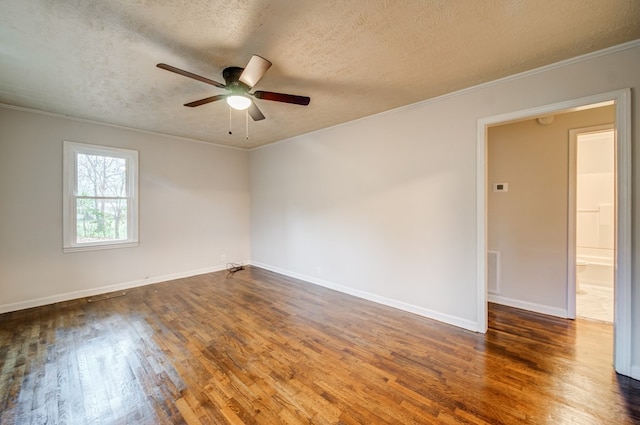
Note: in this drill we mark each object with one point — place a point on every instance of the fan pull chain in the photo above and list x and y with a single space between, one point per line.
230 120
246 122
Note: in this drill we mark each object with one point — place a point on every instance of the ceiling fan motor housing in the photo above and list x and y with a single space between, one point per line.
231 77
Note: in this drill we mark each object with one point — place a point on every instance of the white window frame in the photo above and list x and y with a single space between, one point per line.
69 210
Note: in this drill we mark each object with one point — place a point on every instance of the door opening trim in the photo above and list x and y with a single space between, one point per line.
622 284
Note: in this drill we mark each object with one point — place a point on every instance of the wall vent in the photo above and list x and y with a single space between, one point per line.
493 272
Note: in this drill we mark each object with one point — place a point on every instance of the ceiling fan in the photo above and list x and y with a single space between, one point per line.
238 81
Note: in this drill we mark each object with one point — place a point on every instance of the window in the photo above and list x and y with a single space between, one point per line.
100 205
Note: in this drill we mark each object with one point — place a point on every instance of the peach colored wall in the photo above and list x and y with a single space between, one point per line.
528 224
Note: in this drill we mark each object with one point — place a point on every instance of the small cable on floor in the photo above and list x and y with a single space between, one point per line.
233 267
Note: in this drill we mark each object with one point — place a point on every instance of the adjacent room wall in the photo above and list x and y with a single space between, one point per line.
194 208
527 224
385 207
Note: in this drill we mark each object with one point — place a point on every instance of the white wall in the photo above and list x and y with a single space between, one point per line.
379 207
194 207
527 224
385 207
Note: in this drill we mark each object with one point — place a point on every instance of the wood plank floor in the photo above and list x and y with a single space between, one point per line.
260 348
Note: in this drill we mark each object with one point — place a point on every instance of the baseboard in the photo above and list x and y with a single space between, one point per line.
525 305
67 296
389 302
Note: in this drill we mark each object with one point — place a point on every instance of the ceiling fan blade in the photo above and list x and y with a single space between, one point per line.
255 112
190 75
254 70
206 100
282 97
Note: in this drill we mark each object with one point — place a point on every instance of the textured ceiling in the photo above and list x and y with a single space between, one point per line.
96 59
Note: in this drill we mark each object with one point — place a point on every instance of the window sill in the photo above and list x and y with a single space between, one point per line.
70 249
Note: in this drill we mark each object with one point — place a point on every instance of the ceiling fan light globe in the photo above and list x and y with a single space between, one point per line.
239 102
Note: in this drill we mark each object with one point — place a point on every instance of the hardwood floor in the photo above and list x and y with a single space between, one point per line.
260 348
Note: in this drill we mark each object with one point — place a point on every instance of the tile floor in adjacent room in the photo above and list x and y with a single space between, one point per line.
595 302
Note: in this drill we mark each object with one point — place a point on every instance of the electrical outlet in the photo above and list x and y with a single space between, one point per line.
223 257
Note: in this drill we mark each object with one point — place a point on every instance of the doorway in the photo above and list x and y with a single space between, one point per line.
622 262
592 205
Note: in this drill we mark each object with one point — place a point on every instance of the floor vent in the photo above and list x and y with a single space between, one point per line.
493 272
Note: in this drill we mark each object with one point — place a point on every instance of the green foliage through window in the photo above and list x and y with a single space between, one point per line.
101 198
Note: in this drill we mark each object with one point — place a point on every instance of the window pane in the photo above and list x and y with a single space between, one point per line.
101 220
101 176
100 200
